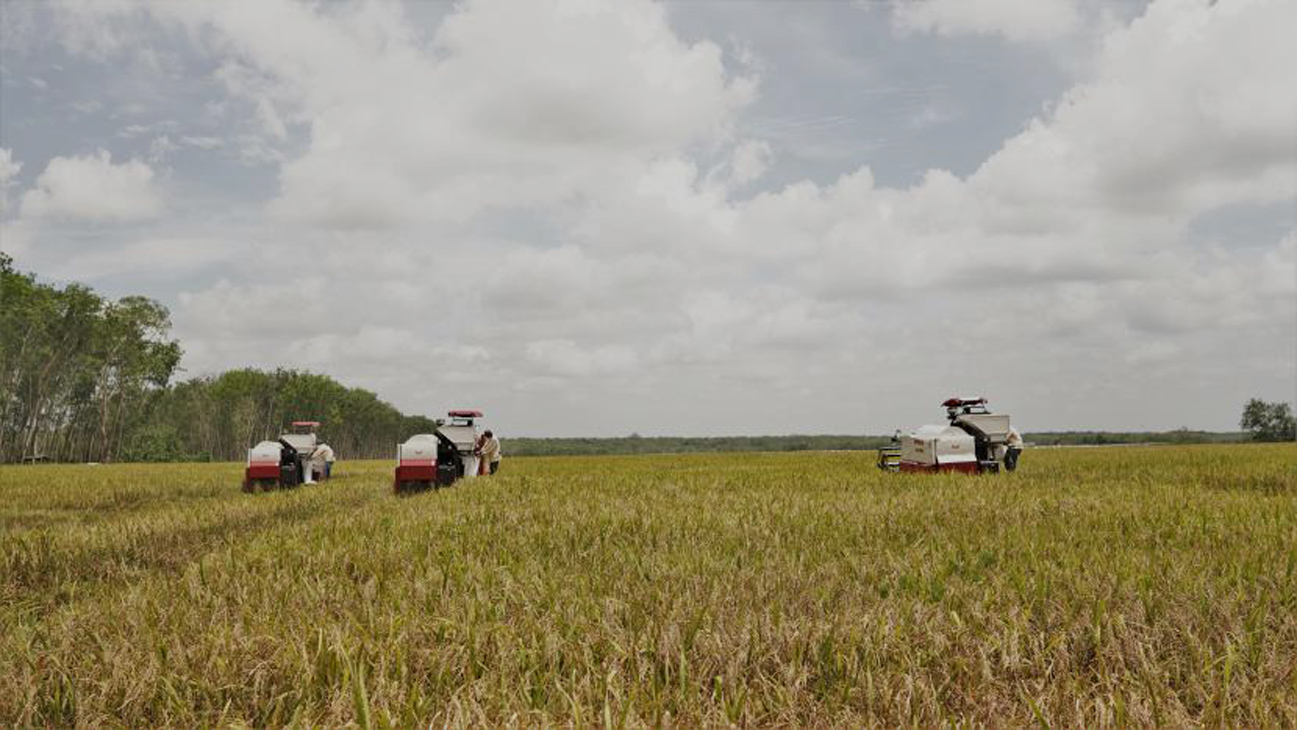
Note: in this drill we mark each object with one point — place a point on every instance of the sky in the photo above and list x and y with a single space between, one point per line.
682 218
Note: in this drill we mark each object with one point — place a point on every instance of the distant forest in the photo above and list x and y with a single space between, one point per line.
85 378
698 444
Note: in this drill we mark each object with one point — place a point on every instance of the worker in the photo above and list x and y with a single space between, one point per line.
489 451
321 462
325 452
1014 447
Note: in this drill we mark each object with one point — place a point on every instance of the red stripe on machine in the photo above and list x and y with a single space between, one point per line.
416 473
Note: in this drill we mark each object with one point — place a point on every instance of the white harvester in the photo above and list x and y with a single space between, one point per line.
283 462
975 441
440 458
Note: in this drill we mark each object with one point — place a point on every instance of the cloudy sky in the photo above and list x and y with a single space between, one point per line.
593 218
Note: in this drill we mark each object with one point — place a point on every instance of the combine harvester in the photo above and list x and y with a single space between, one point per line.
440 458
975 441
282 463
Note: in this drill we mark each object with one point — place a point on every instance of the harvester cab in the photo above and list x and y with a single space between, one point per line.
974 441
440 458
283 463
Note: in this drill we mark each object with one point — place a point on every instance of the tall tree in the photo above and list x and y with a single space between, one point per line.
1268 421
74 367
85 378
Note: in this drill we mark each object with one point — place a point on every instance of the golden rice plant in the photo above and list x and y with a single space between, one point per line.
1093 587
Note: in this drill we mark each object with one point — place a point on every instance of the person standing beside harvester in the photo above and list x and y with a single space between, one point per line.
1014 447
329 458
489 450
322 461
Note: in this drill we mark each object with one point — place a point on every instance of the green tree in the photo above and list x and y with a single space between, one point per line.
1268 421
75 368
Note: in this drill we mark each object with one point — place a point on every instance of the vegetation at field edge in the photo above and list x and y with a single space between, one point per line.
526 446
1092 587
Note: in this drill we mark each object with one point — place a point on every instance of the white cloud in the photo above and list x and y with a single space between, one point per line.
516 105
9 168
203 142
547 205
161 147
1038 20
151 257
1184 116
565 358
749 162
1096 189
87 106
16 237
91 188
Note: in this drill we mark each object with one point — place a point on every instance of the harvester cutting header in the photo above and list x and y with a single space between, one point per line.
975 441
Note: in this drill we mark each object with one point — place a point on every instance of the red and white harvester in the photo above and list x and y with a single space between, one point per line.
283 463
440 458
975 441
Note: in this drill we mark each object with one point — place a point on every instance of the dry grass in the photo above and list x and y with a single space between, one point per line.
1093 587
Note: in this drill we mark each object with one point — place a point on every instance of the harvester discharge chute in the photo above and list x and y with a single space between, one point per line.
440 458
974 441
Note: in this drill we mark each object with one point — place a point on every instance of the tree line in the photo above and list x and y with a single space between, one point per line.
75 367
820 442
87 378
216 418
635 444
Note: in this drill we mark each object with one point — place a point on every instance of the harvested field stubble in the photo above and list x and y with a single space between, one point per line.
1092 587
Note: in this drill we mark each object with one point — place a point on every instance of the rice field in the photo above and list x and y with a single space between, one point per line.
1093 587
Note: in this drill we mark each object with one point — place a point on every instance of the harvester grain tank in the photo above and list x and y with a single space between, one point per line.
440 458
974 441
283 462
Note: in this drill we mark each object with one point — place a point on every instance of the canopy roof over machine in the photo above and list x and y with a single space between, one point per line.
461 431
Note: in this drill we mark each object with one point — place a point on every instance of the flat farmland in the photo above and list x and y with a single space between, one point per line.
1151 585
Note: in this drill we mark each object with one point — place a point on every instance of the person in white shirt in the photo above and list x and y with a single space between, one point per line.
1015 438
321 461
1014 447
490 452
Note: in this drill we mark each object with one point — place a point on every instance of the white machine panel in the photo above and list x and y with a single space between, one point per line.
464 437
303 442
931 445
420 447
266 452
955 446
994 425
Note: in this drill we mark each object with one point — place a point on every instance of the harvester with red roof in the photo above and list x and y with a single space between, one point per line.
440 458
973 441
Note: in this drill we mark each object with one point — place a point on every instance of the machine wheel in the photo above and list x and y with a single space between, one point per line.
403 488
252 486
